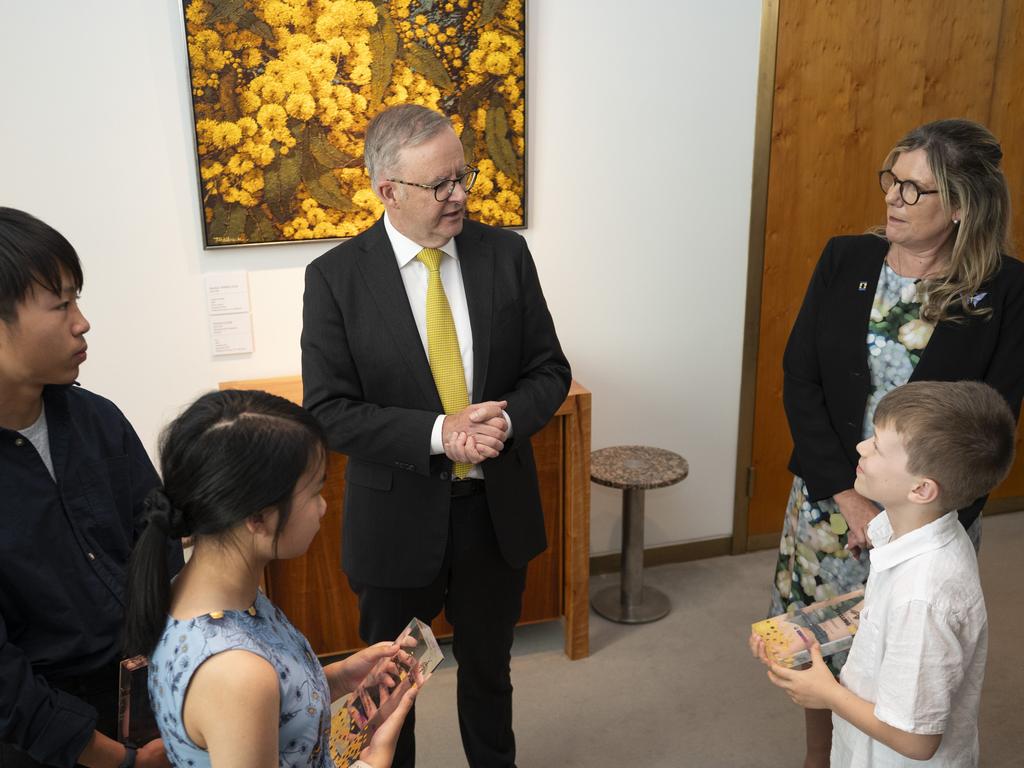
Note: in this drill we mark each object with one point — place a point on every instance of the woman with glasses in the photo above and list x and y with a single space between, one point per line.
930 295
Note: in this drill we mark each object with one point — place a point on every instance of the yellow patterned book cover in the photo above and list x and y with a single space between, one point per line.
354 717
832 623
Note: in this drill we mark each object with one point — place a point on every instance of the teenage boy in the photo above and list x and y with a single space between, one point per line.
73 476
911 686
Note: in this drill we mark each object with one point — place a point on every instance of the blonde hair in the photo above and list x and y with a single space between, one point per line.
965 159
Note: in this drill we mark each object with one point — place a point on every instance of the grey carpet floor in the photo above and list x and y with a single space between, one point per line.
684 691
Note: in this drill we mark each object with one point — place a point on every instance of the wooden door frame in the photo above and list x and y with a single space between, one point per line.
743 490
755 271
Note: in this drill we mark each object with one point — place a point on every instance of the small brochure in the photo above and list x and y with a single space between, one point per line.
833 623
355 717
135 722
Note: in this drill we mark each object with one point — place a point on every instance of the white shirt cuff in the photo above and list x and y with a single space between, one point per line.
436 438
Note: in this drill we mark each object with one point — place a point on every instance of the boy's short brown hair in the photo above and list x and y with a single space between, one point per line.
958 433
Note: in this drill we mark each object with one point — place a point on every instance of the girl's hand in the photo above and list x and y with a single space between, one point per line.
344 676
381 750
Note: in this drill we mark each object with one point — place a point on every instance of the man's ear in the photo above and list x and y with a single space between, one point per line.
388 193
926 491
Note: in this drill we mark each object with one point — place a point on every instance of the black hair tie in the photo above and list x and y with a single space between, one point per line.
164 515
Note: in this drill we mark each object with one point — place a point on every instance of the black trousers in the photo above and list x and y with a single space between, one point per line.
98 689
482 599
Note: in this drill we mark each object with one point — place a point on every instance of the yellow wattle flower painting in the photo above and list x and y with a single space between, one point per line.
282 91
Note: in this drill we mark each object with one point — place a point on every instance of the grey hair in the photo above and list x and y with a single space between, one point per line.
394 129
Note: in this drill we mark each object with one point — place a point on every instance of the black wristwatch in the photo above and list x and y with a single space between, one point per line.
129 757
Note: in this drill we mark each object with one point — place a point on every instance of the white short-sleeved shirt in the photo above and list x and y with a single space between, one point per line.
919 653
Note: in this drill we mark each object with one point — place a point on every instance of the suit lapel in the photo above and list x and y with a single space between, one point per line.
476 260
380 271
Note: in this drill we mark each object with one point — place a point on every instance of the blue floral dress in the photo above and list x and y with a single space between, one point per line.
305 723
814 563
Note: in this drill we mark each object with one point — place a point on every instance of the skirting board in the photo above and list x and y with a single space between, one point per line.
671 553
994 507
698 550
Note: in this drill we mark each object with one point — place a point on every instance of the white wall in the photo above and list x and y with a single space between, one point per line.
640 127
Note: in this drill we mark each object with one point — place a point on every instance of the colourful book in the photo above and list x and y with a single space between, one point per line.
355 717
832 623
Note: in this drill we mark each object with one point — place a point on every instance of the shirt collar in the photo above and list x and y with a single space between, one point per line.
887 553
406 250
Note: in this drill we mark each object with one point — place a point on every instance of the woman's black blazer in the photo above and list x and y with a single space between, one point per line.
826 379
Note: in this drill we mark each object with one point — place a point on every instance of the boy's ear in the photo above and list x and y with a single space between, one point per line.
926 491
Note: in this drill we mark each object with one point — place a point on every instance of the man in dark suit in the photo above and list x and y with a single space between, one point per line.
430 357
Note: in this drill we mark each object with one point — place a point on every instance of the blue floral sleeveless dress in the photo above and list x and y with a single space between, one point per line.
814 563
305 724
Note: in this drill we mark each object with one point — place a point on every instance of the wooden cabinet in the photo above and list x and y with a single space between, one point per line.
314 592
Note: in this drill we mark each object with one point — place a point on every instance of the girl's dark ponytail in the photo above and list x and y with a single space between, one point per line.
149 594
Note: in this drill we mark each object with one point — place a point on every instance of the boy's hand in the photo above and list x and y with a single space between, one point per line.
757 648
812 688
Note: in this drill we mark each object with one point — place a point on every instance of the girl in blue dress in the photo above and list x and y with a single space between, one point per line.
231 681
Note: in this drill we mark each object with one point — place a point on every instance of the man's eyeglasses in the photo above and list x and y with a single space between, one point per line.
909 191
443 189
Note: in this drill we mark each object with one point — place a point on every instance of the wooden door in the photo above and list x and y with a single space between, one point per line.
851 78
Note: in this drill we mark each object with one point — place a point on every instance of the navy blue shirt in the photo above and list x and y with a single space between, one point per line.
64 549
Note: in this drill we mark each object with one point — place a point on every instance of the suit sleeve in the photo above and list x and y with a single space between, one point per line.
544 371
1006 370
332 391
52 726
817 446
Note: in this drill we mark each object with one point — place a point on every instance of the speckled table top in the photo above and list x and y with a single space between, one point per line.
637 466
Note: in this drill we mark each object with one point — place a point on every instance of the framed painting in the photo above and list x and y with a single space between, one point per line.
282 91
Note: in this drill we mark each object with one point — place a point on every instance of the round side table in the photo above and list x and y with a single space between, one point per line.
634 469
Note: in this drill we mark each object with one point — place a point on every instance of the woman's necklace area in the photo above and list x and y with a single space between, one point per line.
895 261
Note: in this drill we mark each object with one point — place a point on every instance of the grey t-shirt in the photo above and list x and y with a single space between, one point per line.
39 436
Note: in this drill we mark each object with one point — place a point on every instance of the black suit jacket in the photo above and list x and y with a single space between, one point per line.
367 379
826 379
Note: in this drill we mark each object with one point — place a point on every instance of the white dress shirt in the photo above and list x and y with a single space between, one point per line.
415 276
919 653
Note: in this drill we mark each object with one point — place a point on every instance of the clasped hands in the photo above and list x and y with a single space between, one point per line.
475 433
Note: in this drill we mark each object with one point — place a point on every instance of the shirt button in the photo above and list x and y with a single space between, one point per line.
19 441
444 475
90 555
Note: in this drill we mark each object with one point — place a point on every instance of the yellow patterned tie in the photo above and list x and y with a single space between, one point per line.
443 345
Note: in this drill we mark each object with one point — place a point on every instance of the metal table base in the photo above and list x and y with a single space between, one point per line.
631 602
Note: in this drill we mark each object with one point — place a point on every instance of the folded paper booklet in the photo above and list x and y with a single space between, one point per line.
355 717
135 722
833 623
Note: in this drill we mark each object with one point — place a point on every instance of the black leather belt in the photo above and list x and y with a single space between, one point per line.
468 487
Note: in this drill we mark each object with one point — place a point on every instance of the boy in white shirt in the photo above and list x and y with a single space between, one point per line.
911 687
